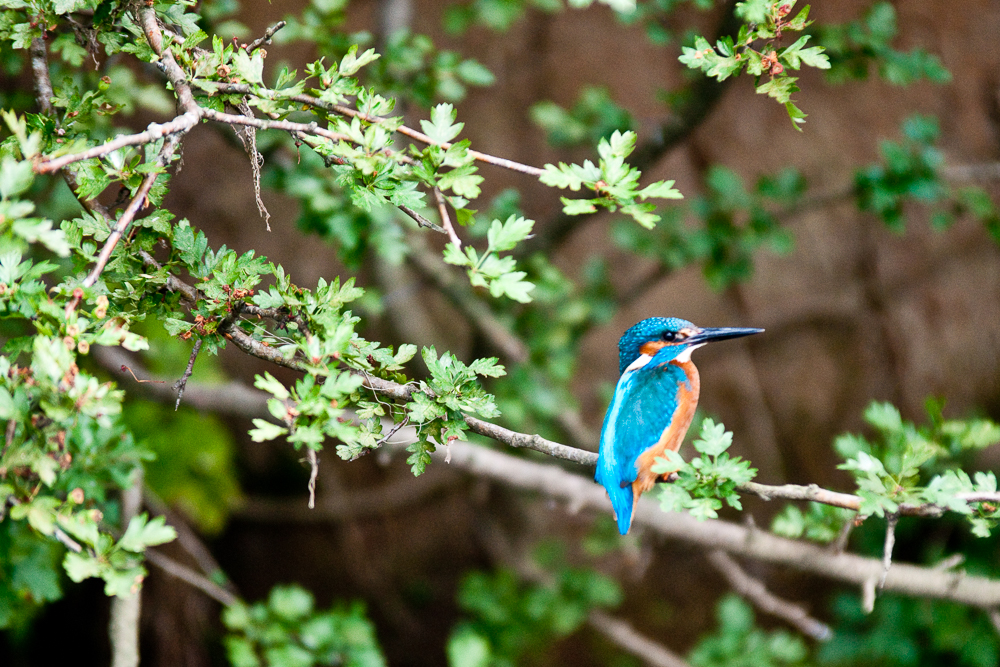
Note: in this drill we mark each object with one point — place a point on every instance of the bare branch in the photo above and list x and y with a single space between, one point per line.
754 590
40 71
313 472
154 132
353 113
134 206
421 220
446 219
890 541
67 541
987 171
186 537
125 611
181 384
266 37
580 492
189 576
623 634
261 124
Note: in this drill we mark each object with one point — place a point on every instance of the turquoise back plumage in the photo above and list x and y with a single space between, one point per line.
643 406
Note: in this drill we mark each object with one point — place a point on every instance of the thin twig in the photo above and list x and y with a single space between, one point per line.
9 433
134 206
189 576
754 590
153 132
353 113
890 542
186 537
868 594
266 37
421 220
261 124
313 473
839 544
446 219
987 171
181 384
67 541
248 137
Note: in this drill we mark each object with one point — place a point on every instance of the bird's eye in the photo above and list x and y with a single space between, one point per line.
669 336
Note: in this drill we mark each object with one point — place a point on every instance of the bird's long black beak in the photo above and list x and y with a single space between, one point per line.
720 333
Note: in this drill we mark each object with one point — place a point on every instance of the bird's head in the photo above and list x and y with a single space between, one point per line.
682 337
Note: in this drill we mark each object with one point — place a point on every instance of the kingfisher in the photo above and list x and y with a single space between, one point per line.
652 407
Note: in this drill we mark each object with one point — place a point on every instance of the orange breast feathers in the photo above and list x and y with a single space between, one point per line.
673 435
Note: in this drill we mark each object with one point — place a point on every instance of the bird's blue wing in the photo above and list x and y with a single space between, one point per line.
643 406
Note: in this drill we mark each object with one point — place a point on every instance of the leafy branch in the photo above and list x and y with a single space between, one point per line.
766 22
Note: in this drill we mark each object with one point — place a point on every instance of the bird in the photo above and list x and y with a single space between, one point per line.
652 407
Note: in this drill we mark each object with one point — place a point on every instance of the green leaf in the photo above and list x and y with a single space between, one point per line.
504 236
251 68
142 533
351 62
271 385
513 286
441 128
265 430
15 176
467 648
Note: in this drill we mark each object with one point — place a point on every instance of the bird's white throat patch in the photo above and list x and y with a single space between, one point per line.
638 363
685 356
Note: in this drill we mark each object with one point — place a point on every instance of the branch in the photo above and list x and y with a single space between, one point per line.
266 38
987 171
624 635
421 220
353 113
124 621
580 492
189 576
154 131
40 72
446 219
181 384
755 591
137 203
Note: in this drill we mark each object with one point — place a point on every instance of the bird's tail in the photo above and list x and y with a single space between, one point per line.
622 501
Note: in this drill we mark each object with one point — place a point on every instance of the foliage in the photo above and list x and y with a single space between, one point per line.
704 481
615 183
739 643
908 633
894 469
595 116
821 523
854 46
912 171
764 21
733 222
288 631
373 188
511 621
